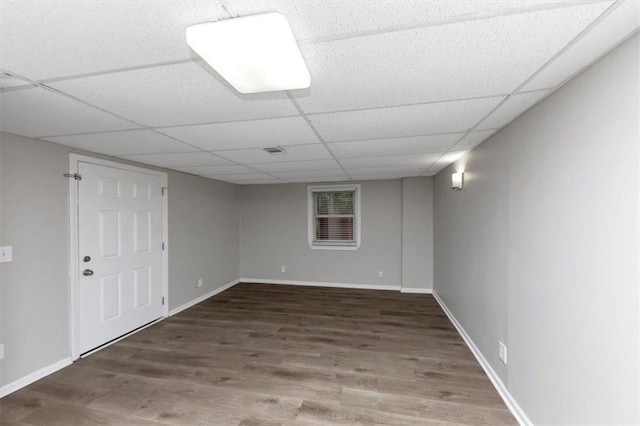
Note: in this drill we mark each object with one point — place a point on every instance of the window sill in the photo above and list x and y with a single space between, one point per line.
333 247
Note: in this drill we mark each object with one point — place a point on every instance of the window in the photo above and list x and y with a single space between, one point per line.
334 217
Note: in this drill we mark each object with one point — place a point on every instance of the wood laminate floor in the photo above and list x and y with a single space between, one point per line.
261 354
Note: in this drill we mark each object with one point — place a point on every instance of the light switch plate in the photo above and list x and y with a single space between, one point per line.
6 254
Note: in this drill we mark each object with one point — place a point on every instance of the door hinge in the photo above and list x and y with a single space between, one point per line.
163 245
75 176
163 190
163 300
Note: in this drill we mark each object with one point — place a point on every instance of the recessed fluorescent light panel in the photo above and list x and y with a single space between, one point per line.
255 53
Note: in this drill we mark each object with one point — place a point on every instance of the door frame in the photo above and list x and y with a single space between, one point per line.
74 262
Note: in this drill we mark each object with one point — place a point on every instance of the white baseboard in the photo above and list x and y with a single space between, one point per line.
321 284
203 297
416 290
508 399
34 377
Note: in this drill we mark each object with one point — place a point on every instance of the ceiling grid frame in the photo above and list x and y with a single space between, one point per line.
577 38
291 96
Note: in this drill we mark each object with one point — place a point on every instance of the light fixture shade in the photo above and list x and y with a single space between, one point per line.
457 180
255 53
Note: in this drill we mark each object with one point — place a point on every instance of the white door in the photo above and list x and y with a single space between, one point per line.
120 228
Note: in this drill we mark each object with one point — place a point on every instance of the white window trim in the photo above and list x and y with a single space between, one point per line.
356 213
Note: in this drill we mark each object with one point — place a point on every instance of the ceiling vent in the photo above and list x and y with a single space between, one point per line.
274 150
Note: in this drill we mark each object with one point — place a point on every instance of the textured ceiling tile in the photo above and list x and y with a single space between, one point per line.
73 37
512 108
472 140
293 153
38 112
414 161
320 179
249 179
171 95
313 19
388 176
233 169
7 80
310 174
124 143
604 36
296 166
461 60
246 134
173 161
396 146
445 160
387 170
394 122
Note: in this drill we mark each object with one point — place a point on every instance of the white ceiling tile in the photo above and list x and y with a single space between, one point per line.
249 179
468 59
385 176
326 179
174 161
337 173
7 80
607 34
446 159
387 170
39 112
296 166
171 95
393 122
313 19
246 134
414 161
395 146
72 37
473 139
210 171
512 108
293 153
125 143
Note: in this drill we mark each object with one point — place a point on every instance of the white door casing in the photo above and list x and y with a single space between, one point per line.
120 229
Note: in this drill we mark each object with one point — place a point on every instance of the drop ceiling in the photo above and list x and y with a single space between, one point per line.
398 89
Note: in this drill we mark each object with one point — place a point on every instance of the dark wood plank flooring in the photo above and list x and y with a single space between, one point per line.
261 354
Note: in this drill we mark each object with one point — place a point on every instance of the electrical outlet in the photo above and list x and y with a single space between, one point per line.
502 352
199 283
6 254
283 269
380 274
2 351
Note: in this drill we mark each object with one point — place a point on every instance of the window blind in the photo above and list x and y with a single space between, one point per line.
334 217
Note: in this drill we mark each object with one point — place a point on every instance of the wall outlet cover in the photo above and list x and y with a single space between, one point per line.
199 282
381 274
283 269
502 352
6 254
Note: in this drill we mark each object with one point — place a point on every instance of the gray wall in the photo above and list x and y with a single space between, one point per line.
540 248
34 288
417 233
273 233
203 236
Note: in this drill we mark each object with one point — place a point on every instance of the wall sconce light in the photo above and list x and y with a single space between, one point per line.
456 181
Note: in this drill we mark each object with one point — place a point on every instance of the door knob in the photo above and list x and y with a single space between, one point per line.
86 259
87 272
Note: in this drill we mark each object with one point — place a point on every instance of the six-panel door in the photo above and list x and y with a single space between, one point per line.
120 248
